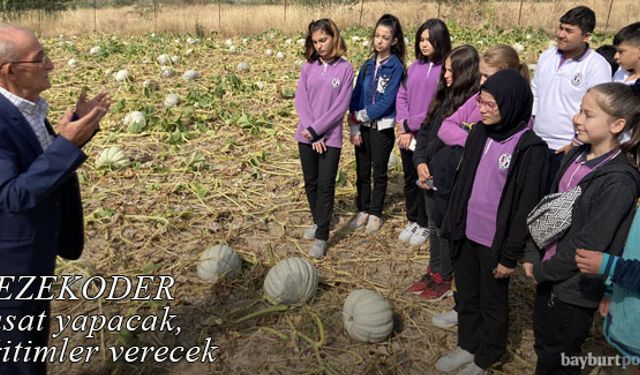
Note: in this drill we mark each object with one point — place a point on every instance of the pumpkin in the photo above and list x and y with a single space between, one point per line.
291 281
72 63
301 42
190 75
228 42
164 59
112 158
171 100
367 316
121 75
167 72
243 67
175 59
94 51
135 121
280 56
268 52
217 262
232 49
355 38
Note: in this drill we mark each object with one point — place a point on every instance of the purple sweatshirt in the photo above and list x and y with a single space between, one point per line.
322 98
491 176
415 96
451 131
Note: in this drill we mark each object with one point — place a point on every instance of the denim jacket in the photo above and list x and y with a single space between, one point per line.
376 92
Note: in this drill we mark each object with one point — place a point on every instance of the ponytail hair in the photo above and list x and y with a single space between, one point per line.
502 56
623 102
399 49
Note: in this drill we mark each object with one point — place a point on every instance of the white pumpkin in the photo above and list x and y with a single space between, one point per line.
291 281
164 59
167 72
190 75
355 38
260 85
393 160
72 63
288 42
268 52
366 44
192 41
242 67
112 157
301 42
217 262
94 51
135 118
175 59
232 49
280 56
171 100
367 316
228 42
121 75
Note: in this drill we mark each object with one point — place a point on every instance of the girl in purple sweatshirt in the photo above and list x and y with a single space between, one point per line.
454 129
433 43
321 101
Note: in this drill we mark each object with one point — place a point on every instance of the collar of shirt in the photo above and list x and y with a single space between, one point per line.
578 58
27 107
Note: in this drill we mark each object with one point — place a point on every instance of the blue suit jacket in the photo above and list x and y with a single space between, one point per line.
40 205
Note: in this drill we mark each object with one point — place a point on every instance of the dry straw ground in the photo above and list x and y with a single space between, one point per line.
224 169
240 19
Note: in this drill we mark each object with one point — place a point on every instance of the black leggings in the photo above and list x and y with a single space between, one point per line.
373 153
319 172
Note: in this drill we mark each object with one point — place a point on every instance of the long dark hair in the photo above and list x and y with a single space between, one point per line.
465 63
399 49
329 27
439 38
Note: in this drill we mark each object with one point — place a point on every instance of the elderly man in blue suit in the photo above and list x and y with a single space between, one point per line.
40 207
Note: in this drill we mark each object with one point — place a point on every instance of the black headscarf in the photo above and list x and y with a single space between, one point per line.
515 101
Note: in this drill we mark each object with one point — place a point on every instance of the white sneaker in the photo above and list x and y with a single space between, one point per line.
318 249
473 369
310 233
359 221
453 360
373 224
446 320
408 231
419 237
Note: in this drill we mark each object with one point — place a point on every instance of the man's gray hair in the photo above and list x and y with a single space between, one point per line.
7 44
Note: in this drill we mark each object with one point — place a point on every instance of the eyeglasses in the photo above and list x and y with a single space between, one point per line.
491 105
42 61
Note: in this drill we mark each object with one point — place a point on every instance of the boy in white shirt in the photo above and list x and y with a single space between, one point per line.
627 43
563 75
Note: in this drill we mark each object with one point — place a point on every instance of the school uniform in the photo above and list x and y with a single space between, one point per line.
412 103
321 101
499 182
601 217
558 87
374 100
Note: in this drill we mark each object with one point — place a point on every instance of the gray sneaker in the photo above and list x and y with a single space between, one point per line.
373 225
310 233
454 360
446 319
359 221
318 248
473 369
